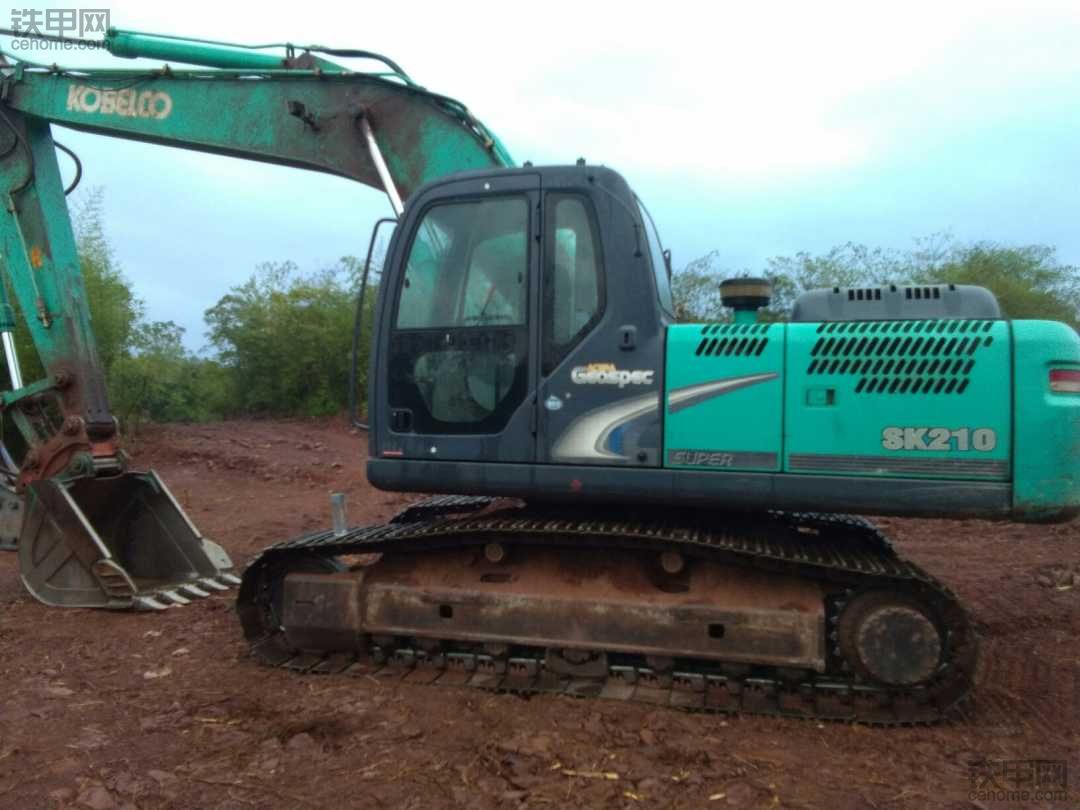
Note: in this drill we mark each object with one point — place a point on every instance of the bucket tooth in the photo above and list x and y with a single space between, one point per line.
149 603
212 584
193 590
175 598
228 578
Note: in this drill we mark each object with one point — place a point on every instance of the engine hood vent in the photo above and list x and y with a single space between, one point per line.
896 303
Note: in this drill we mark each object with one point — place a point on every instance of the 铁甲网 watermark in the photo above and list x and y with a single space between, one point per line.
1019 780
33 28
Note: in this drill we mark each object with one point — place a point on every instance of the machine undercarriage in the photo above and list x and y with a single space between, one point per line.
797 614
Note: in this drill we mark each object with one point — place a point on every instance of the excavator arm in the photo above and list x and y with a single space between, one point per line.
95 533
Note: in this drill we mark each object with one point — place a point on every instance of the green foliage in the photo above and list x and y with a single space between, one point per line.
159 380
285 339
847 265
150 374
1028 280
695 290
115 311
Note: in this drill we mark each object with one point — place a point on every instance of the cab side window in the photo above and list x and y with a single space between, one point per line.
573 281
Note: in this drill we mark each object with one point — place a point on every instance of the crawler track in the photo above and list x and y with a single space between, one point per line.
848 556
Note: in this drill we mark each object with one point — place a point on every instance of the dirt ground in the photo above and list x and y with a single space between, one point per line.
103 710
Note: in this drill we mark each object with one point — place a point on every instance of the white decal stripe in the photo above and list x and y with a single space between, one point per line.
587 435
682 398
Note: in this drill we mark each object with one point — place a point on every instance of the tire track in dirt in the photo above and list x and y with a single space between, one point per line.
1018 688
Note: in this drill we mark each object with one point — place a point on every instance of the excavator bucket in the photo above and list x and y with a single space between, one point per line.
119 542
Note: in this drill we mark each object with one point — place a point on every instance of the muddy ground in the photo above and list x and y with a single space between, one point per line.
103 710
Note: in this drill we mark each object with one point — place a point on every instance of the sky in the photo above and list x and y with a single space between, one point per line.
753 129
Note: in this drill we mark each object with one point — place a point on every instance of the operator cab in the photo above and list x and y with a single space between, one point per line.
514 305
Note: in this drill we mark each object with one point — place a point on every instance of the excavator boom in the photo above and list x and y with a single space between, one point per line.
95 533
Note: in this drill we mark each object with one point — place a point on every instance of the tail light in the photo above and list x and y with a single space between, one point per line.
1065 381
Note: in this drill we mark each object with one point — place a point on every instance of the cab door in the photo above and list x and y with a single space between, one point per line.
460 378
601 342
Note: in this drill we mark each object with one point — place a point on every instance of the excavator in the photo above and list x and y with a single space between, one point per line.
631 507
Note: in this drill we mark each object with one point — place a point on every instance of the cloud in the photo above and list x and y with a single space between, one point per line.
754 128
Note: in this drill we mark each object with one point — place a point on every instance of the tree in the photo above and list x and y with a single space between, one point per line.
115 310
286 338
695 290
159 380
1028 280
846 265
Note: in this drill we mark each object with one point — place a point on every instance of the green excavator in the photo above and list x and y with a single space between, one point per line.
632 507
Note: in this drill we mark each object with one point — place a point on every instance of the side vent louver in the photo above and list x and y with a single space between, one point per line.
733 340
901 357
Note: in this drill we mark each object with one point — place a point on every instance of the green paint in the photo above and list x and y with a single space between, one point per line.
854 424
823 405
41 262
7 313
421 137
128 45
439 143
744 316
1047 423
745 420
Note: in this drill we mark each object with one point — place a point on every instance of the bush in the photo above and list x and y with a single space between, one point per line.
285 339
